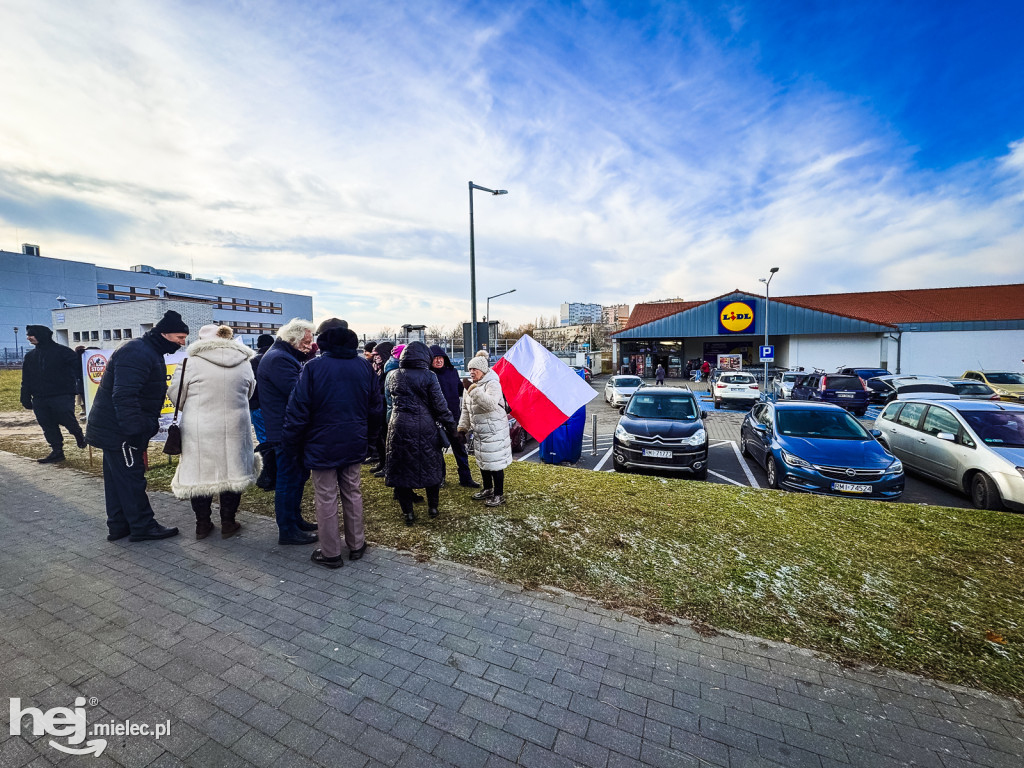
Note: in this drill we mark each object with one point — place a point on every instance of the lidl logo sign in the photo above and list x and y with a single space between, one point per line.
735 316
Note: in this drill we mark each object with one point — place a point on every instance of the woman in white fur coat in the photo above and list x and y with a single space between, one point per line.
483 411
216 434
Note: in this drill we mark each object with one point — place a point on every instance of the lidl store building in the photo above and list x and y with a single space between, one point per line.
942 331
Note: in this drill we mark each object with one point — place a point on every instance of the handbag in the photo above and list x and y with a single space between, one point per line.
172 445
445 442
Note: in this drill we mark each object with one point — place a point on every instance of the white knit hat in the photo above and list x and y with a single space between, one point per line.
480 362
215 331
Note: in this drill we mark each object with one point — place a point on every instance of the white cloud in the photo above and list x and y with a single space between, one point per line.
328 150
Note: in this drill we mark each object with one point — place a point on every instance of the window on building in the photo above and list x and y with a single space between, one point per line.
117 334
127 333
94 335
76 336
106 335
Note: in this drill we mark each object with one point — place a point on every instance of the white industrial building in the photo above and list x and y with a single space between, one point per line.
86 303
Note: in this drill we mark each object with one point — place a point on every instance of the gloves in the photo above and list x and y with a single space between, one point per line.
461 436
27 402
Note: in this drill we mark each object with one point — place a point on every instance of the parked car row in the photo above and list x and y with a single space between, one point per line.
857 388
975 446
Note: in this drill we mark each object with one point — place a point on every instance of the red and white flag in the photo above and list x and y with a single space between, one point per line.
541 390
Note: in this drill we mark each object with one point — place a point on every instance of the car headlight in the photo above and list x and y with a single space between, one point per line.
623 435
794 461
697 438
896 467
1021 470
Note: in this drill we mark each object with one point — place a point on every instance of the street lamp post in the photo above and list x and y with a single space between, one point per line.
16 355
472 267
487 317
767 302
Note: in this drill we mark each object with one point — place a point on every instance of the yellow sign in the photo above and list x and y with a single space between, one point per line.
736 316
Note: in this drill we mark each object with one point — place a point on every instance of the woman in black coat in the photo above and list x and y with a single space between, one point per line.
451 386
414 458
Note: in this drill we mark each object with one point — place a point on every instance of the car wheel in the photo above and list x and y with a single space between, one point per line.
743 446
984 493
701 474
519 442
773 472
718 403
860 414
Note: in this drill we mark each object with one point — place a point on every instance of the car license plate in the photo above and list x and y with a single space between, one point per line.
851 488
652 453
737 389
846 394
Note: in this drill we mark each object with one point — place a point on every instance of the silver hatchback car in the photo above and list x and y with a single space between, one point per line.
974 446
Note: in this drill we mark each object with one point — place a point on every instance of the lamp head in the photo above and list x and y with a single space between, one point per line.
773 270
762 279
500 192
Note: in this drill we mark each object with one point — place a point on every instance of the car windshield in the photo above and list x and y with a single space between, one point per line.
790 376
1004 377
626 381
737 378
681 407
828 424
842 382
997 428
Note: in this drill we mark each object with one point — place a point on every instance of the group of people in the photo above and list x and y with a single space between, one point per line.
319 410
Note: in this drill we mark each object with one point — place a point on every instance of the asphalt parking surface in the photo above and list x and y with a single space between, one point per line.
725 464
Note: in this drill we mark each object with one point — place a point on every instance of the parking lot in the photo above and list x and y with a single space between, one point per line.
725 464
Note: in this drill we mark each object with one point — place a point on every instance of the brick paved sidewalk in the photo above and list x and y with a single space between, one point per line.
257 657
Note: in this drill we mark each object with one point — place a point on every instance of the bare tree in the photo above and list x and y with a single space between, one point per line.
387 332
438 331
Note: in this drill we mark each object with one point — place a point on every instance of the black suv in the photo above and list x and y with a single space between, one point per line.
662 428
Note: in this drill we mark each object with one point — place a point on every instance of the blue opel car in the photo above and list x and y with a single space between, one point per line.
820 448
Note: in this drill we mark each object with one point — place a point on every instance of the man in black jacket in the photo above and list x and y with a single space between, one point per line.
50 378
125 415
275 380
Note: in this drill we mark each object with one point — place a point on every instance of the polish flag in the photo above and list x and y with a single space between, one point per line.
541 391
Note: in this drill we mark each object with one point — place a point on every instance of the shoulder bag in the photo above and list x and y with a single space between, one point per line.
172 445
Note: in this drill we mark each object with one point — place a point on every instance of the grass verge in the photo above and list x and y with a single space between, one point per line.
929 590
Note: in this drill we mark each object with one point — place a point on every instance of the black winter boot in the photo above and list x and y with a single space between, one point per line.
228 507
202 506
55 457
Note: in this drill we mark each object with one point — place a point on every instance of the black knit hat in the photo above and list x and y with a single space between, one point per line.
264 340
330 322
171 322
39 331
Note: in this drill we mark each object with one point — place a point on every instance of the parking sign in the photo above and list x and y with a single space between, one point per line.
768 354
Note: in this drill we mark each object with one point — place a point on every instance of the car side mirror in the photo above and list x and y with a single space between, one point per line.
875 432
704 414
947 436
760 427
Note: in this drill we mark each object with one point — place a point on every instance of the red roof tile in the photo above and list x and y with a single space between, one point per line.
926 305
648 313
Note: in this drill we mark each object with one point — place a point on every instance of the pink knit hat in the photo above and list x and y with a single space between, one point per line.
397 351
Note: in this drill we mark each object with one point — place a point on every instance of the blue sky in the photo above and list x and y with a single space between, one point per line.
650 150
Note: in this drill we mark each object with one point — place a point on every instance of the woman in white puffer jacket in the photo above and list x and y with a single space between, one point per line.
483 411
